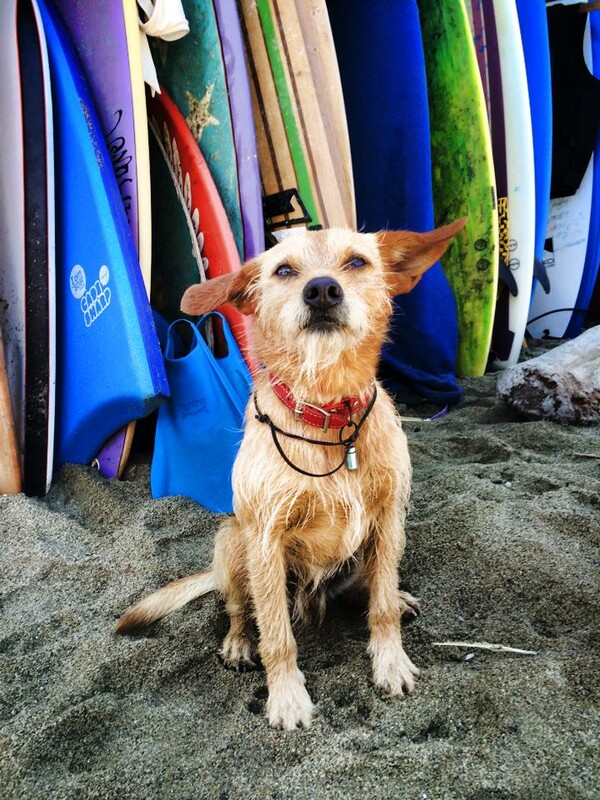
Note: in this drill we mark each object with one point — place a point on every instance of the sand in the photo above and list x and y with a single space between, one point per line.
503 539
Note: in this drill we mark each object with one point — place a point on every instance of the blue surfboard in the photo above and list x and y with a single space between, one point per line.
592 257
388 122
109 365
536 48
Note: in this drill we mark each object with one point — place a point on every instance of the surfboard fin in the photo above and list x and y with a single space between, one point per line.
541 273
507 278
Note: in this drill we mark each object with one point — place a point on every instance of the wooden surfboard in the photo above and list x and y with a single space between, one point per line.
40 329
463 175
10 461
320 49
12 219
299 115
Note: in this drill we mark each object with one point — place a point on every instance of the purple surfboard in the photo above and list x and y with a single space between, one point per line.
105 60
240 104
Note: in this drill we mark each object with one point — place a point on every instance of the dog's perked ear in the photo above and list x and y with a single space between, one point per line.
406 255
236 289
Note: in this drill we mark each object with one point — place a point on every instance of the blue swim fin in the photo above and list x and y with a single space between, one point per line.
199 429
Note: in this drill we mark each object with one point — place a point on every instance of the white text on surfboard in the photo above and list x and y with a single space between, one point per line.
95 300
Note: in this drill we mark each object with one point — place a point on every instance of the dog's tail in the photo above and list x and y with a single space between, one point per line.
162 602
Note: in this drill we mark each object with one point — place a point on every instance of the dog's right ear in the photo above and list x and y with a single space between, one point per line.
406 255
237 289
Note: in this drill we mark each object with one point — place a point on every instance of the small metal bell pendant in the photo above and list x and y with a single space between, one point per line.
351 458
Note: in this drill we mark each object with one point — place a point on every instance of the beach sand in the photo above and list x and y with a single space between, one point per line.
503 547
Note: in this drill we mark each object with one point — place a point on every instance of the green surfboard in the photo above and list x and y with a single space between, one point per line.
463 174
192 69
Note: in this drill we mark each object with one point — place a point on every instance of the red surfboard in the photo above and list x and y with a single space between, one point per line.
205 208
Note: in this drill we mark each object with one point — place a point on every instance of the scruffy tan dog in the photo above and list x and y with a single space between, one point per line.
322 478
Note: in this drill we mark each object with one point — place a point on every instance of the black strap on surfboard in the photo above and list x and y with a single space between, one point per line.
288 206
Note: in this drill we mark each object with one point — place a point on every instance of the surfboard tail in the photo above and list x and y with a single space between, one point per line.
171 597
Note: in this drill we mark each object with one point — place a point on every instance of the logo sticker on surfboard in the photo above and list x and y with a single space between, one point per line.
94 300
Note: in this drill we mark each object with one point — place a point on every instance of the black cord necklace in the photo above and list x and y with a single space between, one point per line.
346 442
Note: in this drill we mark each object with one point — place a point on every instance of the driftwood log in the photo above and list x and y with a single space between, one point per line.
561 385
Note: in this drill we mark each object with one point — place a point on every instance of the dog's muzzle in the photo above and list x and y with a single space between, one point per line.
323 296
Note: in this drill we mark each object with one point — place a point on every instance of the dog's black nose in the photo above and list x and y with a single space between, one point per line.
323 293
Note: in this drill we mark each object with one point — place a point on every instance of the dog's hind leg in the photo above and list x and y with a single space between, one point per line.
393 671
238 651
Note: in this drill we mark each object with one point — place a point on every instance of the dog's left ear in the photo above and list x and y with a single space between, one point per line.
406 255
237 289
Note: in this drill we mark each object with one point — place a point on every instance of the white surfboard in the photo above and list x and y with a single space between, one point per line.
520 171
51 245
12 215
566 246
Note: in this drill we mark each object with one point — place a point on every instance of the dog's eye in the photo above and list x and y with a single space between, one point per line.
356 263
285 271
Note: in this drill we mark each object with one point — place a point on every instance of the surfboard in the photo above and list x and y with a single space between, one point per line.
204 241
591 268
393 184
463 175
244 134
316 29
571 235
140 132
512 145
192 70
575 97
298 113
113 68
533 24
115 80
10 459
177 256
12 218
103 310
40 312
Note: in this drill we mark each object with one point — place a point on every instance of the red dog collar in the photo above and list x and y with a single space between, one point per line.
331 415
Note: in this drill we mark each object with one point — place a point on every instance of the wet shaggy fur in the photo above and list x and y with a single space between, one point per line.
294 535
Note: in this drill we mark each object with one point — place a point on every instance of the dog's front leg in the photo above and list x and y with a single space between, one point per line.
289 705
393 671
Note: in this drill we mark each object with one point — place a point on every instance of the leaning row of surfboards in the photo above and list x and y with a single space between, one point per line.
529 125
250 128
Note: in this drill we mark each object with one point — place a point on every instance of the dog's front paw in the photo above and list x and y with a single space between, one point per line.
393 671
289 705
